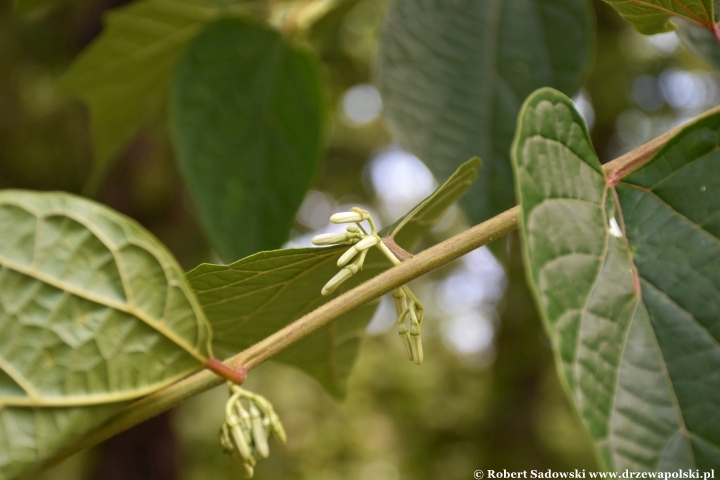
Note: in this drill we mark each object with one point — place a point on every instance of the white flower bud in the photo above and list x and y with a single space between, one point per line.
347 217
361 246
347 256
366 243
337 280
238 436
417 350
330 239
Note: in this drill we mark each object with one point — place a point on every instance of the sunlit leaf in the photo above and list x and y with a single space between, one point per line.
655 16
626 273
124 75
427 213
93 311
247 107
453 76
258 295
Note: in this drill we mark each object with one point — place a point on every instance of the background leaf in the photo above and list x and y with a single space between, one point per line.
700 41
247 112
655 16
627 278
256 296
25 6
124 75
93 311
453 76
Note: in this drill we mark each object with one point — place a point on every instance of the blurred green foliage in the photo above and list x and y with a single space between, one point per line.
442 420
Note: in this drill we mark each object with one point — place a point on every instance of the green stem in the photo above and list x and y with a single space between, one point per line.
420 264
386 251
412 268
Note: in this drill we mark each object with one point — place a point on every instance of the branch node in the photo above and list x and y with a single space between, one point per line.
236 376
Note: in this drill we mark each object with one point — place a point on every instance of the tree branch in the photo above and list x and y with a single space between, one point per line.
412 268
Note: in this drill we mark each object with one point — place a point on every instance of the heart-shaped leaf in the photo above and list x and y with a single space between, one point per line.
124 75
256 296
247 112
93 311
453 76
626 273
655 16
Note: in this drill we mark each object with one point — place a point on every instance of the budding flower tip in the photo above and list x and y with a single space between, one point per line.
346 217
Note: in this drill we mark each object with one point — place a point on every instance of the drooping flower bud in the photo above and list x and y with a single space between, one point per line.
405 337
400 301
339 278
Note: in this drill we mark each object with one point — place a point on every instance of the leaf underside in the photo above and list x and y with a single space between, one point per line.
626 273
254 297
453 76
93 311
655 16
247 112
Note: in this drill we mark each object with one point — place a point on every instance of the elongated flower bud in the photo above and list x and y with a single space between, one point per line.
330 239
405 337
400 301
277 428
238 436
225 441
335 281
417 349
361 246
258 433
339 278
347 256
366 243
415 336
347 217
243 467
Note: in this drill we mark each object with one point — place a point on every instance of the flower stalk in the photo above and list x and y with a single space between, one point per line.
361 242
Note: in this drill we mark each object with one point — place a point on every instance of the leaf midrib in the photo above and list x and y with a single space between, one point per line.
672 13
106 302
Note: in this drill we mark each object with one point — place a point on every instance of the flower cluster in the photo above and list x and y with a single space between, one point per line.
249 420
356 236
414 312
407 306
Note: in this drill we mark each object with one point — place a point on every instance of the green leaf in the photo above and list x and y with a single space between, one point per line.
410 228
93 311
29 436
655 16
453 76
247 111
626 273
124 75
256 296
